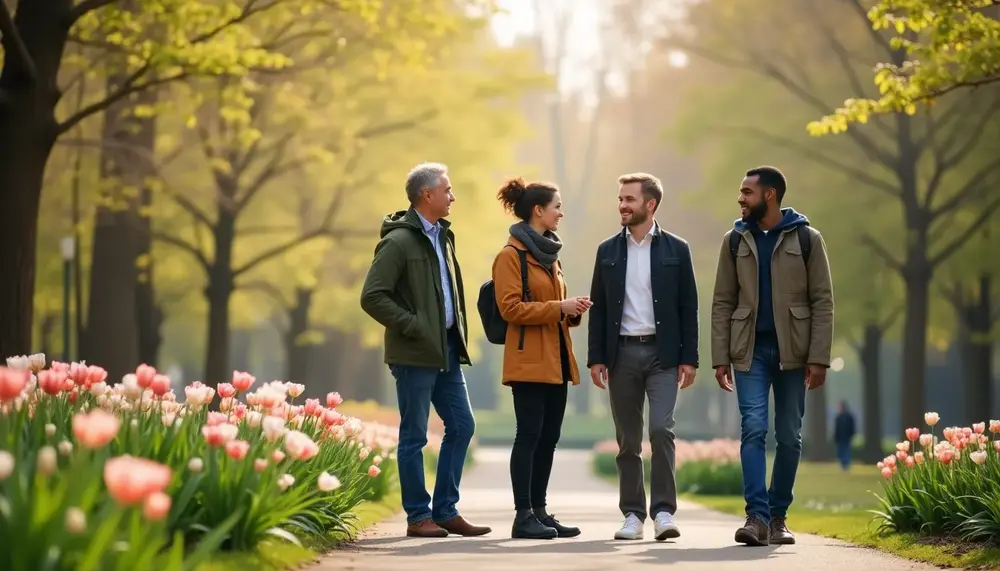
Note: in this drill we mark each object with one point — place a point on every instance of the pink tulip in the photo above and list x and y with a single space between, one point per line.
979 457
919 457
160 385
910 461
903 446
890 461
59 366
226 390
912 433
333 400
79 372
239 411
237 449
12 382
926 440
144 375
242 381
311 406
996 445
216 418
131 480
300 446
931 418
945 455
277 456
259 465
995 426
219 434
52 381
156 506
374 470
979 427
333 418
95 374
95 429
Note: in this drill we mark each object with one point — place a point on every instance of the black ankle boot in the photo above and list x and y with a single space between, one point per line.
527 526
549 520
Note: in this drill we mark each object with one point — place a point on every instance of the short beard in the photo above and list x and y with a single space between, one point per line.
756 213
638 217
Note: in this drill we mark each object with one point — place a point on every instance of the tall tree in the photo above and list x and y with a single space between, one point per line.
896 152
204 36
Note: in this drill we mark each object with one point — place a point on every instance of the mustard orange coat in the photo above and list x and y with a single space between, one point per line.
539 360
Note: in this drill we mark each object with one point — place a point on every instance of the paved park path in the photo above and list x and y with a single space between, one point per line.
579 498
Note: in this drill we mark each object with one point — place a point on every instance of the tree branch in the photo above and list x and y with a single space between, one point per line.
985 214
272 169
973 189
820 158
846 65
182 245
268 289
13 43
891 318
132 85
395 126
862 13
890 260
760 64
86 6
944 162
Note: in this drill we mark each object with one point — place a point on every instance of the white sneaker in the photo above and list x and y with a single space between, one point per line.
664 527
631 529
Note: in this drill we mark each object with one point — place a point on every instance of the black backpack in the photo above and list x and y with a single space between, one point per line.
805 242
489 312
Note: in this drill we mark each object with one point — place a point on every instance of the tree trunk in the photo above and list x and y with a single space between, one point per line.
219 291
149 314
817 445
914 367
296 351
121 239
870 354
975 343
28 131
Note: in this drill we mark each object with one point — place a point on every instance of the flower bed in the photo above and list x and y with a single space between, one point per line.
124 476
710 467
945 485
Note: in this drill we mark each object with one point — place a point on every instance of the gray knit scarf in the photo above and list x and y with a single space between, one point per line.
544 247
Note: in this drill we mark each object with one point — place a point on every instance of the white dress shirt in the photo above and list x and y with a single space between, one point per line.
637 311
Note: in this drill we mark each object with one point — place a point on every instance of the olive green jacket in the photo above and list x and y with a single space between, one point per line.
802 298
402 292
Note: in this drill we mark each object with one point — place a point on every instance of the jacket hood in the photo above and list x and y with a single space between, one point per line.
405 219
789 219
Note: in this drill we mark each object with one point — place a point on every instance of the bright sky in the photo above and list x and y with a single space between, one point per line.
583 46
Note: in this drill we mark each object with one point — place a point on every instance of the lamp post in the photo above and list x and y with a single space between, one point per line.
68 249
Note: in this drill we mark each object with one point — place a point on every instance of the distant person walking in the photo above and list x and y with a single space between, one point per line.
644 346
772 322
844 429
414 289
538 359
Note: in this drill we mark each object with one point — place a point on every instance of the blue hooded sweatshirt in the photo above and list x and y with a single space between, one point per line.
765 241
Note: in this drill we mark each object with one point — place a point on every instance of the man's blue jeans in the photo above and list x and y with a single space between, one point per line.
417 388
844 453
752 390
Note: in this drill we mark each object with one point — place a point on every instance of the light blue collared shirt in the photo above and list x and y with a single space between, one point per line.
433 232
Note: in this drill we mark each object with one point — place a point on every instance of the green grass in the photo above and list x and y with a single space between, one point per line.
279 555
833 503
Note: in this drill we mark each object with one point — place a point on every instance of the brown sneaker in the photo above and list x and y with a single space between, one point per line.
779 532
754 532
459 526
425 528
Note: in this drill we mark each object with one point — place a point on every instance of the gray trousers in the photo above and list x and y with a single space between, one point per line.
635 376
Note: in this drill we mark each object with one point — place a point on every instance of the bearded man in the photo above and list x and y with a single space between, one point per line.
772 327
643 344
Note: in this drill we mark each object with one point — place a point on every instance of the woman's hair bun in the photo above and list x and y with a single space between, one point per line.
511 192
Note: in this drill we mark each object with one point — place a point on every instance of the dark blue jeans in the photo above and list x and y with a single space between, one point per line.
753 388
844 453
417 388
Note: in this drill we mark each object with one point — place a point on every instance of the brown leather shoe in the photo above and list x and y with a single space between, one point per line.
459 526
425 528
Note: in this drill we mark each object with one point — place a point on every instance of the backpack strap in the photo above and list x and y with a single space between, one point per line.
525 291
734 243
805 242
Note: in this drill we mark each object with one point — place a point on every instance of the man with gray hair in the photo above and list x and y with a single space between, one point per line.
414 289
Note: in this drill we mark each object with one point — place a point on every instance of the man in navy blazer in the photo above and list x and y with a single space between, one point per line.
643 343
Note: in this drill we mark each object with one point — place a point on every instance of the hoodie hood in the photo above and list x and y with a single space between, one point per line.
405 219
790 218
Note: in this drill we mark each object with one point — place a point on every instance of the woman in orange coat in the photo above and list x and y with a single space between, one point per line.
538 361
